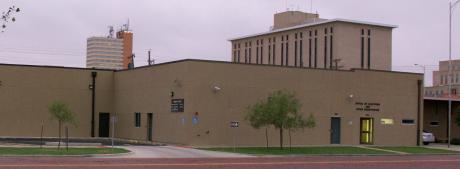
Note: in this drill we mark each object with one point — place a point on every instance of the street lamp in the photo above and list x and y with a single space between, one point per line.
424 70
449 81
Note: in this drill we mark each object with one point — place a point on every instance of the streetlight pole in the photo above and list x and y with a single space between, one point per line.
424 71
449 80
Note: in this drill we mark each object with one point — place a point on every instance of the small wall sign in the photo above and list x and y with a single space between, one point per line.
177 105
234 124
195 120
367 106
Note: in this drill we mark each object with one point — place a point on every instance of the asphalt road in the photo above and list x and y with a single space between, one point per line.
315 162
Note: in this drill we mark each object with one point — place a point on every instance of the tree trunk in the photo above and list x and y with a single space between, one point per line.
281 137
266 136
290 143
59 143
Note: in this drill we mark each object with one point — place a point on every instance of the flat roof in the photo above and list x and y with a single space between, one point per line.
56 67
207 61
314 24
441 98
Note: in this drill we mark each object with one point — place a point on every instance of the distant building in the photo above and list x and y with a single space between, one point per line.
127 37
440 86
104 53
109 52
436 102
301 39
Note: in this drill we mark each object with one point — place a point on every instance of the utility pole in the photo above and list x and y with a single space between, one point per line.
131 65
424 71
150 61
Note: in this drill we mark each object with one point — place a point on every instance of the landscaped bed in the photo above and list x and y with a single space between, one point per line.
55 151
419 150
300 150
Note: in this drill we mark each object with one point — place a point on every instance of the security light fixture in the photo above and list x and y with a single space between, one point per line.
177 83
350 97
216 88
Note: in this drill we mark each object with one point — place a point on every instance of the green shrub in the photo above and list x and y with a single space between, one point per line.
455 141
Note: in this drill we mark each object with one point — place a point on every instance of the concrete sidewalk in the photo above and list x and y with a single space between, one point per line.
174 152
443 146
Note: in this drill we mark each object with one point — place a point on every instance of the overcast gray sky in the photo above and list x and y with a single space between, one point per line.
54 32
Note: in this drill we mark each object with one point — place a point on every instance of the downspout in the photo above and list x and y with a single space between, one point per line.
93 100
419 90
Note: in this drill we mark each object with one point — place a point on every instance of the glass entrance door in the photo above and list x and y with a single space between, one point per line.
367 131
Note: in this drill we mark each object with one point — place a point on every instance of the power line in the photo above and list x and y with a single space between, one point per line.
42 53
49 49
416 65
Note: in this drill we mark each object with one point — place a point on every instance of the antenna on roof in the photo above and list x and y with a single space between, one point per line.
286 5
125 27
110 32
311 6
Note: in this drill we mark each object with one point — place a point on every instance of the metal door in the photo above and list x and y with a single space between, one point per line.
367 131
149 126
104 124
335 130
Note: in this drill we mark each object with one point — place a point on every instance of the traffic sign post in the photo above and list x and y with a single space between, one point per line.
113 120
234 125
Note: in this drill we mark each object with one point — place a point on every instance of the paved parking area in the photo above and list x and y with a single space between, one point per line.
174 152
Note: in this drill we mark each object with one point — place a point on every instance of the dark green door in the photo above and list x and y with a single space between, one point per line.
149 126
335 130
104 124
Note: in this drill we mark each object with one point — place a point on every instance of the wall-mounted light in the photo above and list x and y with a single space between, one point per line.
216 88
350 97
90 86
171 94
177 83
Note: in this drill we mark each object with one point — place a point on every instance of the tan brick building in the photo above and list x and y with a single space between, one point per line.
441 80
354 104
305 40
192 102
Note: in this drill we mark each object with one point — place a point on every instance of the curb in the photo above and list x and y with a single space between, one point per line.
82 155
350 155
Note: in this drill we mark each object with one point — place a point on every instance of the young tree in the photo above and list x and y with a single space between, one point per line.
257 118
61 112
281 110
457 119
297 122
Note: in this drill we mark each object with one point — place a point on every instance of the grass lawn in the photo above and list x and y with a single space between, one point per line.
55 151
419 150
299 150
